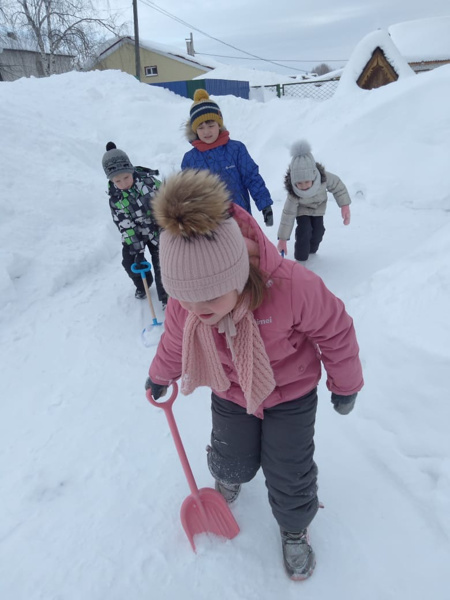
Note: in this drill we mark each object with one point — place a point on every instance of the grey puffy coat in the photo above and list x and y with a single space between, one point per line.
314 206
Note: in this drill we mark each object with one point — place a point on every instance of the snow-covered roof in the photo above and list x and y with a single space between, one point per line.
253 76
111 45
20 43
171 51
258 78
423 39
363 53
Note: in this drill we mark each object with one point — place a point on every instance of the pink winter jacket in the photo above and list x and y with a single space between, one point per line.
301 323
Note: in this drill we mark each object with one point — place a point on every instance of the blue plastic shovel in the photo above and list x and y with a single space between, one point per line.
143 270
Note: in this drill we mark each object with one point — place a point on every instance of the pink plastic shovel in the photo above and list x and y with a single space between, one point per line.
204 510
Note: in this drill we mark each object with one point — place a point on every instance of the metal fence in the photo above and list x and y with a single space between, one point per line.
216 87
315 90
323 89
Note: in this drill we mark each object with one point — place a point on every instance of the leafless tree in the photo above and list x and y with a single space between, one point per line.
59 26
321 69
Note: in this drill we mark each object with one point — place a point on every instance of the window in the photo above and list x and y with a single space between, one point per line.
151 71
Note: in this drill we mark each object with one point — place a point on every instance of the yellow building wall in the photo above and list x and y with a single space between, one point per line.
169 69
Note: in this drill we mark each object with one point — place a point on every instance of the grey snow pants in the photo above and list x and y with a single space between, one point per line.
282 444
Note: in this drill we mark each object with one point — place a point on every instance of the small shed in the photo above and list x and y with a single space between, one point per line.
377 72
374 62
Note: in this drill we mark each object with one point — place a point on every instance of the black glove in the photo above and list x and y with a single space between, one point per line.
157 390
268 216
139 258
343 404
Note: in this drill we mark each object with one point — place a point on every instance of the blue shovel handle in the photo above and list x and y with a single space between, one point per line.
282 255
143 270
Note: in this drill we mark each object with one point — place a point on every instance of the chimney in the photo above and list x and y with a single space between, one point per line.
190 46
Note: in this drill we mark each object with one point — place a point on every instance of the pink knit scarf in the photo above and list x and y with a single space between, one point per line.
201 364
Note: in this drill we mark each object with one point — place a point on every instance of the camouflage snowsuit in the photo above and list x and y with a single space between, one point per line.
132 213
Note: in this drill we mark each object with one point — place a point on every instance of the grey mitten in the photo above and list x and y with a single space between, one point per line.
343 404
157 390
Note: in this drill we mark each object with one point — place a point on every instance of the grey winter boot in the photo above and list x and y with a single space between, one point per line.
230 491
298 556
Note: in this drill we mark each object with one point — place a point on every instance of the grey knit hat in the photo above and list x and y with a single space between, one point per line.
115 161
303 165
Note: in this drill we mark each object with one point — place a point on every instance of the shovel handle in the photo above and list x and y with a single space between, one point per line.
166 405
142 271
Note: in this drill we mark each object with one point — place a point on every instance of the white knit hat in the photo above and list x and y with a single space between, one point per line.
303 165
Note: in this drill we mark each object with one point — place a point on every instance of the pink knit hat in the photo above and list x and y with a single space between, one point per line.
202 251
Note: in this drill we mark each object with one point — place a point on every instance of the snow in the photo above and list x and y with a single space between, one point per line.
253 76
261 78
91 486
423 39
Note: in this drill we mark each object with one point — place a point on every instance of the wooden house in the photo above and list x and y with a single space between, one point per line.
21 59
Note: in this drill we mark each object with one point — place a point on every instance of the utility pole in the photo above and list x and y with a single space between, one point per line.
137 54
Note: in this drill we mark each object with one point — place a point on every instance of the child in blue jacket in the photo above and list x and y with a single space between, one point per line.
229 159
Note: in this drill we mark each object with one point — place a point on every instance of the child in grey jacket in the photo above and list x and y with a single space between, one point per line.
307 184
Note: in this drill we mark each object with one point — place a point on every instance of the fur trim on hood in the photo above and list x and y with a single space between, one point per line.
287 178
190 135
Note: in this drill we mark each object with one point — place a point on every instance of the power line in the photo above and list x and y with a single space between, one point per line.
318 60
175 18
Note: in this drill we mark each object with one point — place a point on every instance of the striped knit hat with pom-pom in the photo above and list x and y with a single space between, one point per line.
204 109
202 251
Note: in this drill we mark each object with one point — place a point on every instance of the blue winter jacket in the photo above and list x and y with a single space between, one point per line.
236 168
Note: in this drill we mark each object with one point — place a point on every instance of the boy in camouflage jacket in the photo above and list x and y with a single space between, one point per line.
130 192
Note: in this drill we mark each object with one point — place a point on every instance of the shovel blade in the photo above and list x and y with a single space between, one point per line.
151 335
207 512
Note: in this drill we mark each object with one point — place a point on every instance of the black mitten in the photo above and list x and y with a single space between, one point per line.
268 216
343 404
138 259
157 390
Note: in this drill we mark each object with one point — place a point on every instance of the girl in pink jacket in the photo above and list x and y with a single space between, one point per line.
256 328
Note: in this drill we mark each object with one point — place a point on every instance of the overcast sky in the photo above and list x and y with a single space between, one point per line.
298 34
